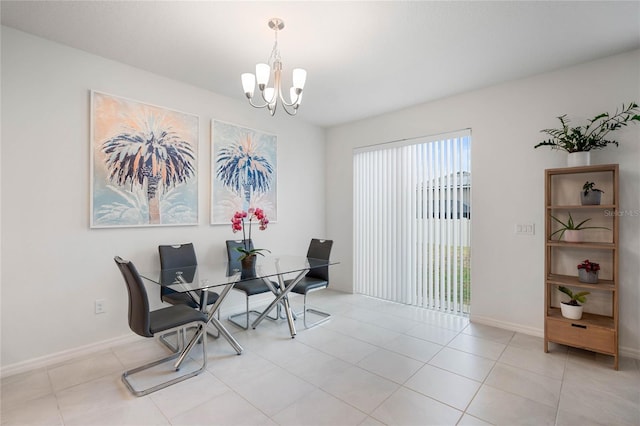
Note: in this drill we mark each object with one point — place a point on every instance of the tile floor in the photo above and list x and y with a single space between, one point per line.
374 363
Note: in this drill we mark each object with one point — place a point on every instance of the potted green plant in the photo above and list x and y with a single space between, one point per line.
588 272
572 231
590 195
583 139
572 309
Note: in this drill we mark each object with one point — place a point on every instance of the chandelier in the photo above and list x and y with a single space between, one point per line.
271 95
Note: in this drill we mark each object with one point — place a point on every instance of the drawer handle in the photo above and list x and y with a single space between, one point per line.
578 325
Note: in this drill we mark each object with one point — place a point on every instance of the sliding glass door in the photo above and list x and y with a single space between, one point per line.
412 221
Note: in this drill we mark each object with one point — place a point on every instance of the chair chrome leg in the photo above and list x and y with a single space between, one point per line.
140 392
173 348
326 316
232 318
246 313
177 347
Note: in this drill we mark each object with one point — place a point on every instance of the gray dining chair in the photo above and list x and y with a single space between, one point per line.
174 256
148 323
249 287
177 256
316 279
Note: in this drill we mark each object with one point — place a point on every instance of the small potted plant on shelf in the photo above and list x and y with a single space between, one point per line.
571 231
572 309
590 195
579 141
588 272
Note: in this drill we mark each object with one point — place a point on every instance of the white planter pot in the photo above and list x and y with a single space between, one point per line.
576 159
570 311
573 236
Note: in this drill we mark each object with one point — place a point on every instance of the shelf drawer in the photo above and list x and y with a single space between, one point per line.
581 335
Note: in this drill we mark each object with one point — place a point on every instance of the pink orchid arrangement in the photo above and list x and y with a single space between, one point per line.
238 224
589 266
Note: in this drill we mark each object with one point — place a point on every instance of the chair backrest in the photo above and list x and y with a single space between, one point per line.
233 255
139 318
176 256
319 249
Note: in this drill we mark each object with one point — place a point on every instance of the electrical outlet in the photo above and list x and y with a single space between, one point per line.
100 306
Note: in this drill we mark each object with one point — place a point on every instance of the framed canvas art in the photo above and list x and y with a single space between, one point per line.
144 161
244 171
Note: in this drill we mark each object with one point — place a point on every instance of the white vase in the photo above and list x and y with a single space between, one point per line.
577 159
573 236
571 311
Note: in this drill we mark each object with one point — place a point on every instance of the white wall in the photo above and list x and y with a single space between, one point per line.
508 181
53 265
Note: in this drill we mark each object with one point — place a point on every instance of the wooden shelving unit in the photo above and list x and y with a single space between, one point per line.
598 329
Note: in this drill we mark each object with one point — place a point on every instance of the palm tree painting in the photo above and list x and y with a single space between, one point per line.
144 166
245 171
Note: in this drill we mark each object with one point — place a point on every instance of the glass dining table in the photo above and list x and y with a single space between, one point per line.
205 277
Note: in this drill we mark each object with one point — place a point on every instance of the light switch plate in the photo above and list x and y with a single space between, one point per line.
525 229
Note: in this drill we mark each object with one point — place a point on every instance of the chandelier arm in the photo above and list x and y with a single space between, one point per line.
286 106
257 106
280 95
284 102
267 102
295 110
277 78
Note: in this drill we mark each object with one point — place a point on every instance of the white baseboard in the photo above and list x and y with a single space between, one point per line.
519 328
66 355
533 331
629 352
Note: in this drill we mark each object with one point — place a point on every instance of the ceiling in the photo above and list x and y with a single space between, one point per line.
363 58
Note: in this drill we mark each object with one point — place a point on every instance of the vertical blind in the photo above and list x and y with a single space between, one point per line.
412 221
